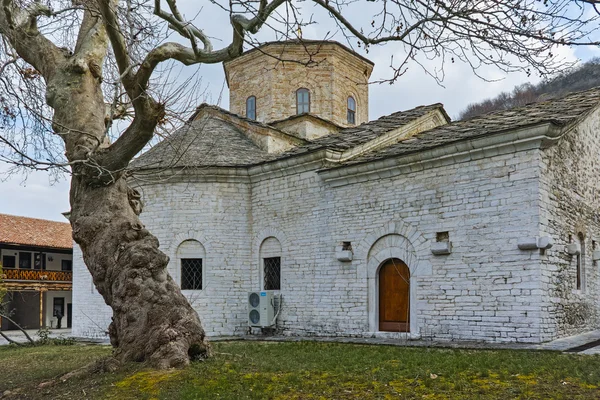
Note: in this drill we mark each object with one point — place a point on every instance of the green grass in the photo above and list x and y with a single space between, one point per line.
309 370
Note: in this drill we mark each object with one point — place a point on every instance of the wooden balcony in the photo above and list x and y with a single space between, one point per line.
36 275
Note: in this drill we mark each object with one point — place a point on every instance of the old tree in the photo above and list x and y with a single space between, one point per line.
70 68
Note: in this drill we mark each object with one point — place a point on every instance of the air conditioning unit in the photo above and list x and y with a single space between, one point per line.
261 308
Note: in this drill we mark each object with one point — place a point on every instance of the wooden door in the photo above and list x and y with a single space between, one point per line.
394 296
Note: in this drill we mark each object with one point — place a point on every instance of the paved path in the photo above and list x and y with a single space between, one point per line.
557 345
19 337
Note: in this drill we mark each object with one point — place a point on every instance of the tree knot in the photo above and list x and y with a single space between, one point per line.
135 200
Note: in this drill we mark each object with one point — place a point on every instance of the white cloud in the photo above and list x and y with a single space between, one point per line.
34 196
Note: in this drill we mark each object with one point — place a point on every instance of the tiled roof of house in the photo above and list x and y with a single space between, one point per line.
560 111
35 232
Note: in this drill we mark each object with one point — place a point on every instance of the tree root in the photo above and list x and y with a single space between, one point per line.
108 364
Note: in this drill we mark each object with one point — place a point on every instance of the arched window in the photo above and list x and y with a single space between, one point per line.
190 255
302 101
270 258
581 263
251 107
351 110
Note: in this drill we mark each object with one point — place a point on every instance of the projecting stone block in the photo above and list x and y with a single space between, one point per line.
527 243
545 242
343 255
441 248
573 249
532 243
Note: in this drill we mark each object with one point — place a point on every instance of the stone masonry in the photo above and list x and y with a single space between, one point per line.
506 196
275 71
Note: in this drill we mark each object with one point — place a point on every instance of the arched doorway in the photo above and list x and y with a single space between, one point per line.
394 296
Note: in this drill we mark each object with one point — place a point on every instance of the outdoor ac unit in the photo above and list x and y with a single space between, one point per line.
261 308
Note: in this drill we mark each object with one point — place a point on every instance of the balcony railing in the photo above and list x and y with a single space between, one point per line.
37 275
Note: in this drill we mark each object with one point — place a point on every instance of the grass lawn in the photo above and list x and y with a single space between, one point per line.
309 370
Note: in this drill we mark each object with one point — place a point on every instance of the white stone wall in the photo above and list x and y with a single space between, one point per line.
215 214
570 205
487 289
91 316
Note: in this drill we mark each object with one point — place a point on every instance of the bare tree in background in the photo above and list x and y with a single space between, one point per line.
81 90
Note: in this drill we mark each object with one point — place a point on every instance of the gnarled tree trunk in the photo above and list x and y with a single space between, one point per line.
152 320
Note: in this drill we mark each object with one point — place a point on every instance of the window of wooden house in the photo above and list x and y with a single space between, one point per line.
66 265
25 260
9 262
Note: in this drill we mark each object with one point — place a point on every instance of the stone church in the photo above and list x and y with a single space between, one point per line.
407 226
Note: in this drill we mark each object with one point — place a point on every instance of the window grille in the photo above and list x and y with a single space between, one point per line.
351 111
191 274
302 101
272 270
251 108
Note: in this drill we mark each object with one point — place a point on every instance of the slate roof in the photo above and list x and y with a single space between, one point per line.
35 232
207 141
211 141
351 137
561 112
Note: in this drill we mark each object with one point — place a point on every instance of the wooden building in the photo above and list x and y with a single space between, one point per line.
36 258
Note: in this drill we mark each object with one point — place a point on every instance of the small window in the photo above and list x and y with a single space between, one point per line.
302 101
251 107
581 263
272 273
25 260
351 110
39 261
66 265
9 262
191 274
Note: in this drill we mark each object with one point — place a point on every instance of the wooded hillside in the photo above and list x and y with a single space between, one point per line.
584 76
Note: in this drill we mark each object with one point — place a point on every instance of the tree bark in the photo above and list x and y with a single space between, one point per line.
152 320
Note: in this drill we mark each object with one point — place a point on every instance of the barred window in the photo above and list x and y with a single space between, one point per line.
272 270
191 274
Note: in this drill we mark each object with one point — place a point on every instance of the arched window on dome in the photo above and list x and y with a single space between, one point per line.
302 101
351 110
251 107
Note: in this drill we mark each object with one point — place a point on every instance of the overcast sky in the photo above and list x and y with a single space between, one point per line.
36 196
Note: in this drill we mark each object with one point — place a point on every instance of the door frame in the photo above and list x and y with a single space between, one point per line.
406 325
373 267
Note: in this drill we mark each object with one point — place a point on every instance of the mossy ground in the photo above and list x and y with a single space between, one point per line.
309 370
